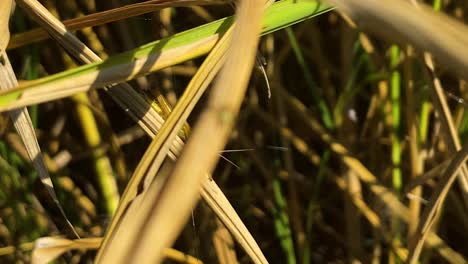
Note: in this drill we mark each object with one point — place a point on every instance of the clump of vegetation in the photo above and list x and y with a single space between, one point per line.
311 131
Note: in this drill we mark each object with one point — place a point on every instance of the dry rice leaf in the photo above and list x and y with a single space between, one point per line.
212 194
109 75
434 207
224 245
165 209
425 178
441 106
221 206
140 61
107 16
47 249
20 116
386 195
180 257
451 132
146 116
400 19
433 240
125 96
6 9
415 24
371 216
157 151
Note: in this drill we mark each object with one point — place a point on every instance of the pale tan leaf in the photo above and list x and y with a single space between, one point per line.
451 132
221 206
6 9
47 249
224 245
180 257
435 204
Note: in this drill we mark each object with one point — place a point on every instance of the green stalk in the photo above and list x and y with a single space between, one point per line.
437 5
395 90
317 97
281 221
395 87
102 164
424 117
31 74
426 107
352 87
463 128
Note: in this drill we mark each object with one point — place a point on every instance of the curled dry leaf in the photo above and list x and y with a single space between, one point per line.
47 249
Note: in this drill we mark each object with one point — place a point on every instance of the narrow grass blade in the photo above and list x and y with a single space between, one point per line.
451 133
86 118
21 119
99 18
327 117
386 195
213 204
123 94
435 204
150 57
